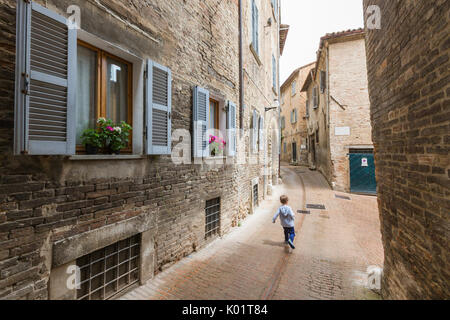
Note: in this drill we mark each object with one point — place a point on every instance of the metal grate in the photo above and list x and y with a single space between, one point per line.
110 270
255 195
315 206
212 219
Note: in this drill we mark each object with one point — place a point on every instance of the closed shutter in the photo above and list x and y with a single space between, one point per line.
261 133
255 24
274 72
255 131
323 82
201 118
315 98
46 55
231 129
158 109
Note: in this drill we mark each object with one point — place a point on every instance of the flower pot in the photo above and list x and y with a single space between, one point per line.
111 151
90 149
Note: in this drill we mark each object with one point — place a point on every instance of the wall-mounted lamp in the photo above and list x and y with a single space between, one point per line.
276 104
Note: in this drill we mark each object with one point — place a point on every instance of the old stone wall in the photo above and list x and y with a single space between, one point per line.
44 199
348 86
409 86
295 132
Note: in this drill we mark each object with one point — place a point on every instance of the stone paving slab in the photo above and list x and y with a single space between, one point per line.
253 263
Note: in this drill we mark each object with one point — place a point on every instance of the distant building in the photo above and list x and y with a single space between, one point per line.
338 111
293 117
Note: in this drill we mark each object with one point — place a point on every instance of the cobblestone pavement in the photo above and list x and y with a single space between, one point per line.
334 248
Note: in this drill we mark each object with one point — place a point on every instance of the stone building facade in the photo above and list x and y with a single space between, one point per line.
338 111
409 84
128 216
293 117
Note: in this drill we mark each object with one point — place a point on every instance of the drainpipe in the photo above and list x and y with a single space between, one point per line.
241 70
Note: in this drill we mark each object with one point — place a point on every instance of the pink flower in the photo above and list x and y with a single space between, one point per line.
110 128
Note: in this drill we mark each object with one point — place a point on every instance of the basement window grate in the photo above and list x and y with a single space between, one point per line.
212 218
106 272
315 206
255 195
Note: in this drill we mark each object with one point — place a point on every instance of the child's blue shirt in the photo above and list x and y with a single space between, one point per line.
287 217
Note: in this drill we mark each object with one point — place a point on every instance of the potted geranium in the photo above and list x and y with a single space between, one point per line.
216 145
115 137
92 141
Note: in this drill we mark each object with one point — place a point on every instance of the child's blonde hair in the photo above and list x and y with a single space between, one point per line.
284 199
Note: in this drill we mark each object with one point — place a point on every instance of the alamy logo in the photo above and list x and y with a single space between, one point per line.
73 280
74 19
373 17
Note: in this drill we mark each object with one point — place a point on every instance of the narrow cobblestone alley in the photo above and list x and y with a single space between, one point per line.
334 248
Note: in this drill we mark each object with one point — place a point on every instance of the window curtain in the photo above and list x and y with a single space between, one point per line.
86 95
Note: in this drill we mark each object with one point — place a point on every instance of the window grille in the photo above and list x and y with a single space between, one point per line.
255 195
212 218
107 271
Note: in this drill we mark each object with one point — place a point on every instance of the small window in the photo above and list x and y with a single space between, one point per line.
103 88
285 147
317 136
214 115
294 88
212 218
107 271
283 122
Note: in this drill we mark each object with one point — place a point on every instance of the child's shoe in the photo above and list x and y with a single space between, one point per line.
291 244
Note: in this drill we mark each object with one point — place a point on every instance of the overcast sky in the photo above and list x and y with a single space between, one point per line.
311 19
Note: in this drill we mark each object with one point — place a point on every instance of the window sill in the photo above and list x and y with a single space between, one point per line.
106 157
255 54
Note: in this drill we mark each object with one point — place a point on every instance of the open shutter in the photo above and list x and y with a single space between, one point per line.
254 131
46 55
158 109
257 29
201 118
261 133
231 129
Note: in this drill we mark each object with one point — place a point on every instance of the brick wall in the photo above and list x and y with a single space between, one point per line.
45 199
409 86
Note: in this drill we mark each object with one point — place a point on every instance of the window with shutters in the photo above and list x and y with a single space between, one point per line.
213 116
104 85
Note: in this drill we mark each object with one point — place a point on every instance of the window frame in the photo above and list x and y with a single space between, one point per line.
101 72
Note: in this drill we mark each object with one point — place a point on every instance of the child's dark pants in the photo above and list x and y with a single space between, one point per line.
289 233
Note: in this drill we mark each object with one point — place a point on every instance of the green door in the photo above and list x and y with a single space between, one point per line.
362 173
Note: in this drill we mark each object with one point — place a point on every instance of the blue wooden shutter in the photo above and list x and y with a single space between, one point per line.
255 131
231 129
45 101
257 29
274 72
158 109
261 133
200 125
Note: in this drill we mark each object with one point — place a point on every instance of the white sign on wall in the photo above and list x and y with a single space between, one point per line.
303 147
364 162
342 131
